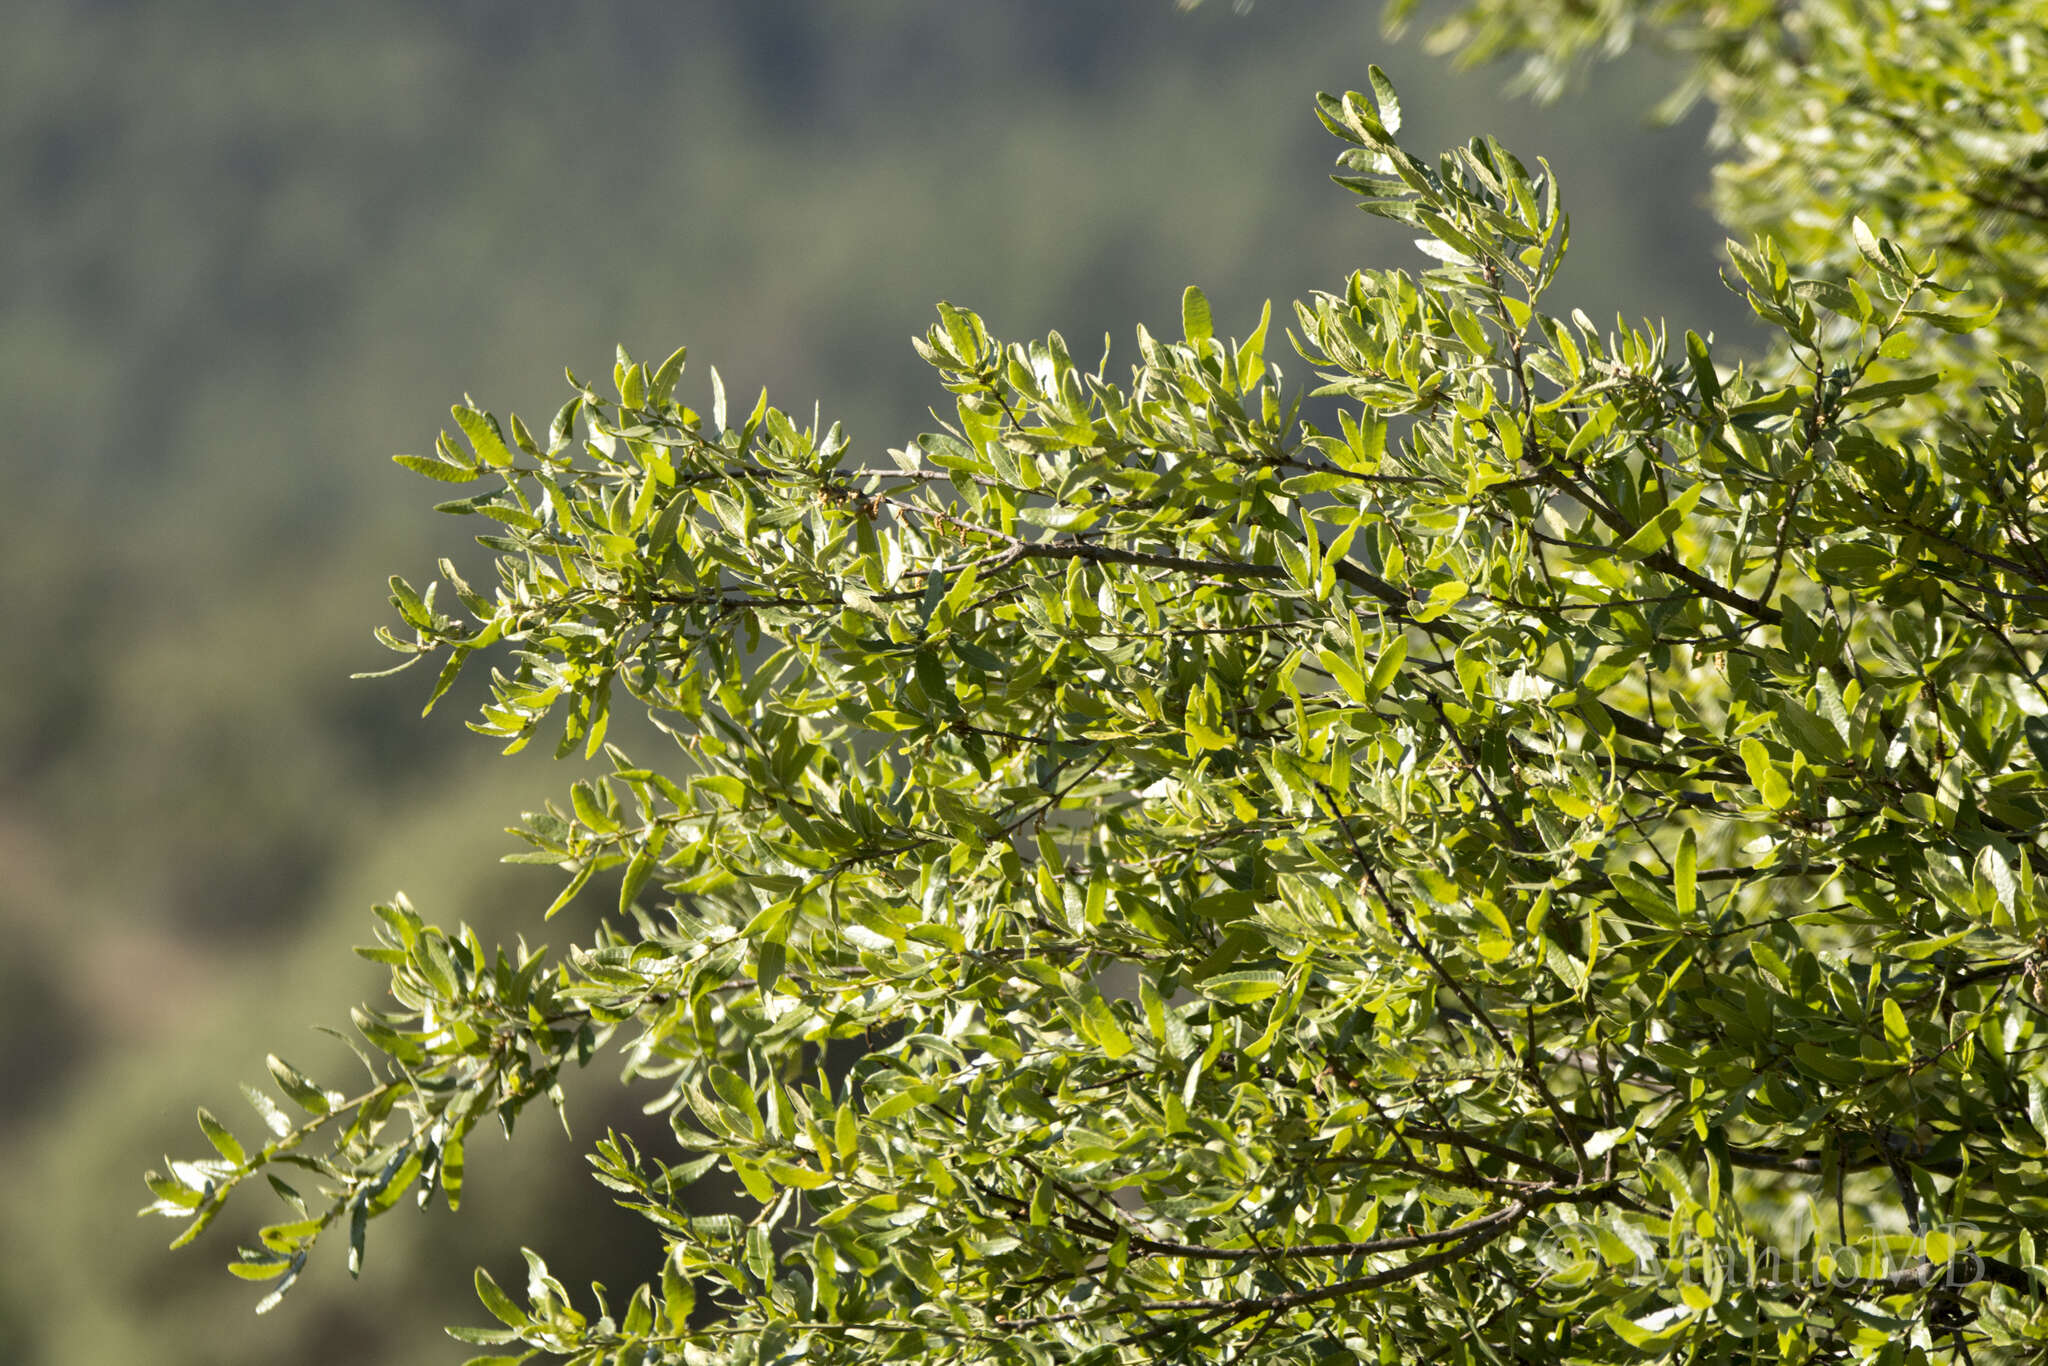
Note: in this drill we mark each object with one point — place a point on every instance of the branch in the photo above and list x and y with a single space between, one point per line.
1474 1234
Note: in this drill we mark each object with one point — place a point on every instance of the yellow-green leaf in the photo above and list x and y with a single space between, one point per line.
1685 870
1768 778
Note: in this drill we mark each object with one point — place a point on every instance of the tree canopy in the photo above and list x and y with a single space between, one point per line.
1514 844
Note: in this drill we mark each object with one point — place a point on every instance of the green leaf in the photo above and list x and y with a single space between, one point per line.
1685 869
1995 878
640 870
498 1302
1873 250
358 1226
1195 322
1856 561
1892 388
523 438
735 1092
1651 1333
436 966
1347 677
845 1131
662 387
900 1103
678 1296
576 884
1703 373
509 515
1443 599
260 1268
1956 322
1103 1026
224 1142
1383 95
484 438
437 469
172 1191
267 1110
1764 774
796 1174
450 671
299 1088
1243 988
1388 666
1202 725
452 1169
1895 1026
1654 534
590 811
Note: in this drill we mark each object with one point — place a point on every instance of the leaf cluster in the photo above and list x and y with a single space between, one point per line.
1541 869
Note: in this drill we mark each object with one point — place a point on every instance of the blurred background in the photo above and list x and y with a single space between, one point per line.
249 250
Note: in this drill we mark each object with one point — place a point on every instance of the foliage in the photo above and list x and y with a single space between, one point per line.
1926 121
1536 864
341 204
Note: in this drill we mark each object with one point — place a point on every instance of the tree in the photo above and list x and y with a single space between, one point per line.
1522 852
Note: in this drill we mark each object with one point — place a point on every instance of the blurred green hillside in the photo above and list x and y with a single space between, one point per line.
247 251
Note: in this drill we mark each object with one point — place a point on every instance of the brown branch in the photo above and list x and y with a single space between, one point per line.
1474 1234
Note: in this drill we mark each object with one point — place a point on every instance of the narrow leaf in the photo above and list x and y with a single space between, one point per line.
1196 322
